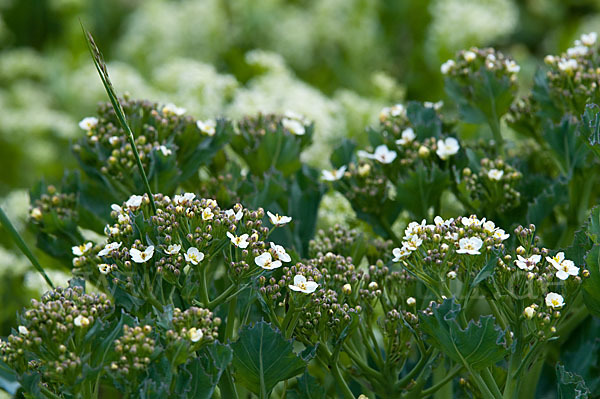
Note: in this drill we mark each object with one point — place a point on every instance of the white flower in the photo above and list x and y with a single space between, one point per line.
280 252
134 202
293 126
527 263
300 284
394 110
88 123
435 105
440 222
230 213
400 253
195 334
451 275
173 109
495 174
414 228
141 257
278 220
207 127
410 301
408 135
413 243
108 248
470 245
23 330
566 268
529 312
240 242
294 115
589 39
567 65
554 300
469 56
81 321
489 226
164 150
104 268
82 249
211 203
446 148
471 221
193 256
110 231
113 140
578 50
123 218
333 175
511 66
447 66
184 199
207 214
556 260
381 154
500 234
173 249
265 261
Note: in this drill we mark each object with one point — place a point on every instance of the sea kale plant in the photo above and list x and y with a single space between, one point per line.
469 267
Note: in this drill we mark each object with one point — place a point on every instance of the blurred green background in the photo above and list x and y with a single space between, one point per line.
338 62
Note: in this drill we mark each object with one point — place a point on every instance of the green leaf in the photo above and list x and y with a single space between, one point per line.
591 285
262 357
425 120
581 353
543 206
307 388
421 189
8 379
570 385
487 270
343 153
206 371
479 345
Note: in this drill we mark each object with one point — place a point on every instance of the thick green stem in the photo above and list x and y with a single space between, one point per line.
230 319
441 380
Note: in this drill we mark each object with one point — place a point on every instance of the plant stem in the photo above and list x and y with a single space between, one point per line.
230 319
14 234
441 383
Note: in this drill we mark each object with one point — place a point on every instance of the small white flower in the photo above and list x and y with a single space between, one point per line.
239 241
529 312
230 213
567 268
195 334
193 256
108 248
164 150
294 115
470 246
556 260
495 174
173 249
394 110
469 56
511 66
501 235
400 253
173 109
81 321
567 65
333 175
265 260
207 127
446 148
88 123
489 226
410 301
104 268
408 135
184 199
278 220
413 243
141 257
382 154
110 231
471 221
527 263
134 202
280 252
113 140
82 249
23 330
451 275
123 218
447 66
301 285
293 126
589 39
440 222
554 300
435 105
207 214
578 50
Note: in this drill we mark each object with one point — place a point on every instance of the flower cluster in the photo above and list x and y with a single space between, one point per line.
134 350
52 202
196 325
56 324
337 239
469 62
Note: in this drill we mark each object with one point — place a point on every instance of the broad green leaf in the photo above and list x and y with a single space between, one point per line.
479 345
262 357
543 205
343 153
570 385
8 379
581 353
487 270
425 120
205 371
307 387
421 189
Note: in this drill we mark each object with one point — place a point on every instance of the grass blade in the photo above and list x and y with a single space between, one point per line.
103 72
5 221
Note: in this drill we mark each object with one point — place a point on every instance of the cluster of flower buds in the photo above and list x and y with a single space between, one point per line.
337 239
263 124
133 351
223 186
493 186
573 76
63 205
394 119
196 325
56 324
161 132
364 183
469 63
523 116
